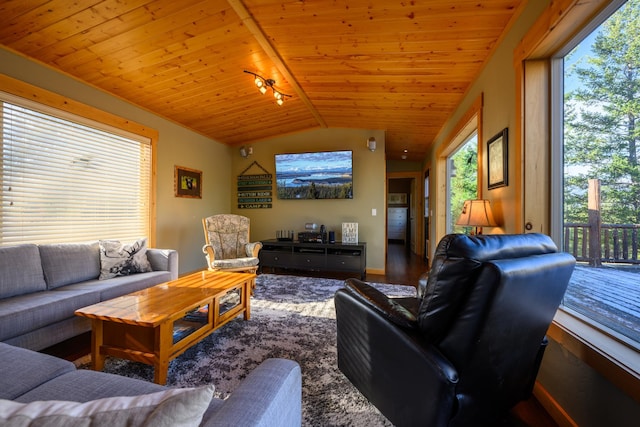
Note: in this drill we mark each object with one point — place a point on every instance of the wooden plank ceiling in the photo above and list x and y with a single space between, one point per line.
397 65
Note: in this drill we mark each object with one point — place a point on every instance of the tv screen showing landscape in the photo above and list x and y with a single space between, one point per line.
321 175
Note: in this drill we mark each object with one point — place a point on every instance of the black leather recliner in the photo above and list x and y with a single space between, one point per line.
468 347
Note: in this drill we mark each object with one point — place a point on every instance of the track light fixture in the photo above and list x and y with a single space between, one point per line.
262 84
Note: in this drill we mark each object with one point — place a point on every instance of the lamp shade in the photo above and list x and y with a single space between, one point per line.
476 213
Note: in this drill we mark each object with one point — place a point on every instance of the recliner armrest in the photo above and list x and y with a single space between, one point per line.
252 249
409 380
390 309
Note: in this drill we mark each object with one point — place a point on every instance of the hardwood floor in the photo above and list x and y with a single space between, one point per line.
402 267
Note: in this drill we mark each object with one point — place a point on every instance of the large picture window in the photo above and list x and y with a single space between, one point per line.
463 180
601 173
66 178
544 61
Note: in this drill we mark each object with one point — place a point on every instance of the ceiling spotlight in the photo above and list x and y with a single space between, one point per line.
262 84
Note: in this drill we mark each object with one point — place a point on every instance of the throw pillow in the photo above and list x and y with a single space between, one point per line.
117 259
182 407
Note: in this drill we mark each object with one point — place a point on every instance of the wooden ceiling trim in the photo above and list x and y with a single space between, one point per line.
255 29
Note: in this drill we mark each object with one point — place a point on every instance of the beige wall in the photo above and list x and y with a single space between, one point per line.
403 166
178 224
368 189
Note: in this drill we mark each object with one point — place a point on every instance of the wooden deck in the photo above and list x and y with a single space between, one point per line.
608 294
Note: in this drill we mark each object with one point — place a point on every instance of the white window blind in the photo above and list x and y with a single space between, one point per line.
66 181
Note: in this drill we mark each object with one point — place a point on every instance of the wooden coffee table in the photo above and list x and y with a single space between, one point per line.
157 324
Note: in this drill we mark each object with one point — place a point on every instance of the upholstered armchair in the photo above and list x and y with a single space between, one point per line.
227 244
468 347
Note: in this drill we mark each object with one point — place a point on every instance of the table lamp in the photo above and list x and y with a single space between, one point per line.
476 213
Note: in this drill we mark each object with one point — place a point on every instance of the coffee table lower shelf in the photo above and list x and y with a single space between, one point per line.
156 325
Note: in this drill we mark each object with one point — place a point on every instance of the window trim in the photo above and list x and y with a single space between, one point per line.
470 122
614 359
41 96
561 22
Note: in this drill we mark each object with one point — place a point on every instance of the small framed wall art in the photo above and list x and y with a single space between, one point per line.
350 232
187 182
498 160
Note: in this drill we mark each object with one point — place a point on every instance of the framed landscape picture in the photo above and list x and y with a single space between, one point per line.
498 160
187 182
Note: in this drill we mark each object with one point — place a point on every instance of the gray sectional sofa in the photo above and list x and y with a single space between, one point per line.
270 396
42 285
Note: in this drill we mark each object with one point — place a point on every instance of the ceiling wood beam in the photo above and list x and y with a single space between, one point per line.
272 53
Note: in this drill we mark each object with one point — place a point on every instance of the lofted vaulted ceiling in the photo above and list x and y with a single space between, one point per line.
397 65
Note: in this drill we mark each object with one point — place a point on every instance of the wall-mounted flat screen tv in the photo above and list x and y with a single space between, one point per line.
320 175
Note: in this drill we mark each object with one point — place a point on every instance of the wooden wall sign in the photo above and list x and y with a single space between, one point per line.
255 191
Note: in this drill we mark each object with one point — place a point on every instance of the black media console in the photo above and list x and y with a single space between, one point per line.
335 257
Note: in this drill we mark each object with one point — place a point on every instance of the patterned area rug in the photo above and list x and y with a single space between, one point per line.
291 317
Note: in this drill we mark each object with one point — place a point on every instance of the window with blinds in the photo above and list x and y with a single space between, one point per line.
68 179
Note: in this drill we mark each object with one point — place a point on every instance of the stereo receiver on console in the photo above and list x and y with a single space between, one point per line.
310 237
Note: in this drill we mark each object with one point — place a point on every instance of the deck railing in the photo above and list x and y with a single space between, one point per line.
615 243
596 242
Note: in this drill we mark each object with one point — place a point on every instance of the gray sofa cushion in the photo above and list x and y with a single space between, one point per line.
178 407
27 370
54 333
20 271
122 285
67 263
24 313
83 385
